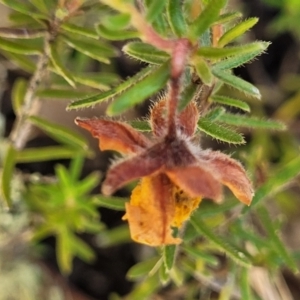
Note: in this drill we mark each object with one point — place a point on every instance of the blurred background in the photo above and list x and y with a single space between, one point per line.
30 271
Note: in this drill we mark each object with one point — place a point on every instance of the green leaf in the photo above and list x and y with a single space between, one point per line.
145 289
176 18
245 285
21 61
58 65
95 99
200 255
141 125
154 9
251 122
277 182
80 30
17 33
116 35
45 154
115 203
278 245
113 237
237 83
221 53
231 102
64 251
142 269
207 17
19 47
238 60
236 254
18 93
7 173
215 113
169 254
236 31
81 249
116 22
42 5
23 8
220 132
95 49
228 17
187 95
203 71
96 80
146 53
141 90
60 133
63 93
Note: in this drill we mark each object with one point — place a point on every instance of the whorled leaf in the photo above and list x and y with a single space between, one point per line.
116 22
19 47
18 93
116 35
154 9
114 203
79 30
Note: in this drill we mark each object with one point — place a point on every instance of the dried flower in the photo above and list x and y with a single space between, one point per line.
176 173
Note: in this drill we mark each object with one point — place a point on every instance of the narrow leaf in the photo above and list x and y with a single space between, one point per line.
203 71
82 249
95 49
142 268
187 95
215 113
23 33
95 99
240 59
278 181
251 122
231 102
228 17
222 244
23 8
116 22
95 80
221 53
18 93
237 83
176 18
141 125
60 133
64 251
114 203
21 61
146 53
245 285
141 91
236 31
154 8
7 173
207 17
200 255
62 93
45 154
116 35
80 30
19 47
219 132
169 253
278 245
60 68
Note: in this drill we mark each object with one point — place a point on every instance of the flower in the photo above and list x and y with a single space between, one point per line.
176 173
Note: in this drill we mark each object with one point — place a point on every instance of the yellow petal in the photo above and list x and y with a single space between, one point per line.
151 211
184 206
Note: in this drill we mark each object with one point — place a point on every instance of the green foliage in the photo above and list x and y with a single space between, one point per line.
60 48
